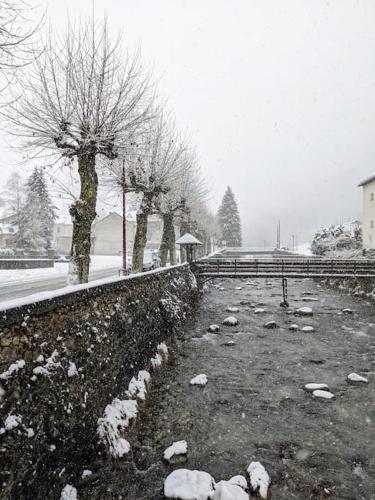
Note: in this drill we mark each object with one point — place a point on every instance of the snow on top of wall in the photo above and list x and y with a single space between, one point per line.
40 296
13 368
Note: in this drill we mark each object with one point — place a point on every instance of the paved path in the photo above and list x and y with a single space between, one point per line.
254 406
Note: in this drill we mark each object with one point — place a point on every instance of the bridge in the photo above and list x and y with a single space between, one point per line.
290 267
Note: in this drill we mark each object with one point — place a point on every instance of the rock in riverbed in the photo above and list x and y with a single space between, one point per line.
304 311
189 485
323 394
213 328
259 481
314 387
293 327
271 325
230 321
232 309
176 453
200 379
354 378
308 329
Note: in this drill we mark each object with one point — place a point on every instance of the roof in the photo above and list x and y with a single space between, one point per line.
188 239
367 180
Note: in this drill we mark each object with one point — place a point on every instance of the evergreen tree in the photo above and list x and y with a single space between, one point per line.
229 221
37 215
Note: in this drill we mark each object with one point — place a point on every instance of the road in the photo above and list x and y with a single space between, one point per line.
27 287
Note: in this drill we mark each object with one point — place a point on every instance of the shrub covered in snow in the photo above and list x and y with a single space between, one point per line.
335 239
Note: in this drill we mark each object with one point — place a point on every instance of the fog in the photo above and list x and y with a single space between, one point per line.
278 96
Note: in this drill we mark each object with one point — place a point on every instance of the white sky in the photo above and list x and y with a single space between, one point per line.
279 96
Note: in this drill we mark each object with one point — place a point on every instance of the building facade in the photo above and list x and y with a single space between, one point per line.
368 217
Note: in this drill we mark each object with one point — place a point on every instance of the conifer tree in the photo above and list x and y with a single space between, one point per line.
37 215
229 221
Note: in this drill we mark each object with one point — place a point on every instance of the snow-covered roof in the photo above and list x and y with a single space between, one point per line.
188 239
367 180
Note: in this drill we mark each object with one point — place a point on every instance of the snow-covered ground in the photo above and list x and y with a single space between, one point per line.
98 262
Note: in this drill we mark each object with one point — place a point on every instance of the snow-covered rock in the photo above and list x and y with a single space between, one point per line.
13 368
50 365
69 492
323 394
229 343
230 321
304 311
271 325
200 379
315 387
354 378
347 311
238 288
224 490
176 448
259 310
259 480
86 473
137 387
232 309
184 484
213 328
239 481
72 370
293 327
308 329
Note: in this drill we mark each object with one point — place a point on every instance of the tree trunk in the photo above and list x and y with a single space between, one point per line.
168 241
140 240
83 213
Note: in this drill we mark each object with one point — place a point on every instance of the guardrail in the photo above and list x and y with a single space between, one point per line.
297 267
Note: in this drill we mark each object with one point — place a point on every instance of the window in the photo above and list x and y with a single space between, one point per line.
372 224
372 197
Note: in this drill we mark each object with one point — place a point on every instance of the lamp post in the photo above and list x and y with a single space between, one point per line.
123 187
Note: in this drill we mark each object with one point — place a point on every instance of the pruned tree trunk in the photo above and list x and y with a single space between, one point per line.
168 241
140 240
83 213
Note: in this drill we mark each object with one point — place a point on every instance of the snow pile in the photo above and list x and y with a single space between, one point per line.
138 386
12 422
355 378
72 370
230 321
199 380
13 368
176 448
117 418
50 365
186 484
259 480
69 492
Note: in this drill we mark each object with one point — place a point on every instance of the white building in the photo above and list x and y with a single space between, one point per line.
368 218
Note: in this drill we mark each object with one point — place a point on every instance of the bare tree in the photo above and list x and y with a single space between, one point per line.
83 100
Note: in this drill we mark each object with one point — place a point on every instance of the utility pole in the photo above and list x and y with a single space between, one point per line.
293 247
278 244
123 187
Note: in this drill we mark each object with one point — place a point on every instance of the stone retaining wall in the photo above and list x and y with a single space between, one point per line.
12 263
64 359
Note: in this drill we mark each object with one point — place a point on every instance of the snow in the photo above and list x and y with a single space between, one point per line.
72 370
314 386
12 421
69 492
186 484
293 327
354 377
86 473
224 490
137 387
323 394
156 361
13 368
176 448
188 239
259 310
259 479
230 321
30 432
239 481
50 365
199 380
117 417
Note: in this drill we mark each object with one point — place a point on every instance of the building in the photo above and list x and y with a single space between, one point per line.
8 231
368 217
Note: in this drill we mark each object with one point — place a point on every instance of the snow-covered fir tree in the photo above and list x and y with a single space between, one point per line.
37 215
229 221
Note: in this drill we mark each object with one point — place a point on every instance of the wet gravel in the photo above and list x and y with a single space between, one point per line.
254 406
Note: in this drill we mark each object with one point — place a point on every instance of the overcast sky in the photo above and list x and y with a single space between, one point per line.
279 97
